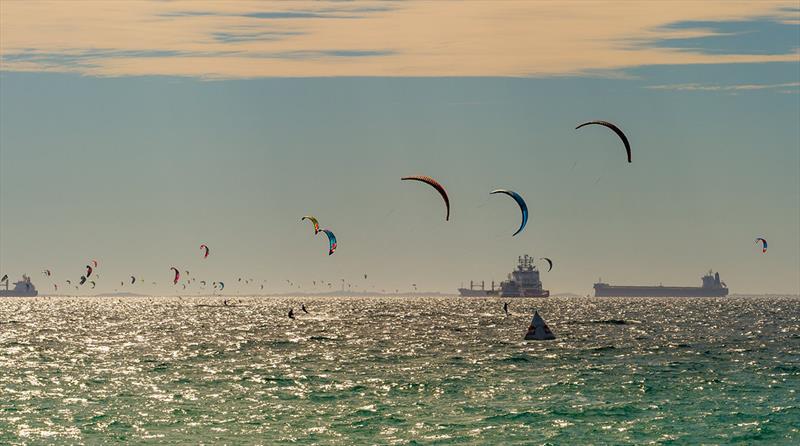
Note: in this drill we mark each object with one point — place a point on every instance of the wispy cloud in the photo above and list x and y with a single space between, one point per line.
245 39
758 35
790 87
252 36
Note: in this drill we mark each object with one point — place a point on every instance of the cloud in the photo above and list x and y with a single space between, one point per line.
245 36
248 39
762 35
788 87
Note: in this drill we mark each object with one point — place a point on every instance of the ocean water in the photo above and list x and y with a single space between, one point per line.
171 370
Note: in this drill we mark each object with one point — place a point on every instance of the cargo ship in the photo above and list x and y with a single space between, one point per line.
522 282
712 287
474 291
23 288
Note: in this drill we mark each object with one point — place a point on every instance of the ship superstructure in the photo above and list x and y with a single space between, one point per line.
712 287
22 288
524 281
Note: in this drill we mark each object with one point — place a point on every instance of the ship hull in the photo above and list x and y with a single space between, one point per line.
466 292
12 293
657 291
527 293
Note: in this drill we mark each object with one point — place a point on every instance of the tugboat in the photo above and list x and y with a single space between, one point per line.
522 282
23 288
712 287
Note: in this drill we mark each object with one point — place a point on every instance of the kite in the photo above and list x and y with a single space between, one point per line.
616 130
313 221
331 241
763 244
522 206
435 184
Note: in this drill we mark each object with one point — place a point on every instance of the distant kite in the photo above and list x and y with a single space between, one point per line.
331 241
205 251
522 206
313 221
435 184
177 275
549 262
615 129
763 244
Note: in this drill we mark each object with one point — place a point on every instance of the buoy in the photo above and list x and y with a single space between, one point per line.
538 330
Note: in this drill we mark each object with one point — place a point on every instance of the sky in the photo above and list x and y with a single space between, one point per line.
132 132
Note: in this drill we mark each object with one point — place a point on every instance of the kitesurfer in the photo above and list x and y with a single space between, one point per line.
505 308
303 307
291 313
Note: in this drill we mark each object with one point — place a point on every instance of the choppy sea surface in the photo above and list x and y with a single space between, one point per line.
169 370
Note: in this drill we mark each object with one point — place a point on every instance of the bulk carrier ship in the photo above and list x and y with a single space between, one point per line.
712 287
522 282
